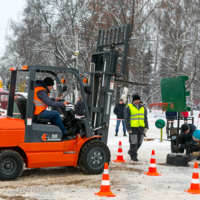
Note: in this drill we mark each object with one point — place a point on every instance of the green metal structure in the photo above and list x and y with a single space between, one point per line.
173 91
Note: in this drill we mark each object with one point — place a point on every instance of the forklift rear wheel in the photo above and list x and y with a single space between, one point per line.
92 157
11 165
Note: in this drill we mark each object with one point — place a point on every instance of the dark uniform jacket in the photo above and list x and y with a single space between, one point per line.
119 110
170 115
188 137
79 108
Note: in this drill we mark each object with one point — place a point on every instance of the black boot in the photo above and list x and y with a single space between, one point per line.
116 134
134 159
125 134
198 158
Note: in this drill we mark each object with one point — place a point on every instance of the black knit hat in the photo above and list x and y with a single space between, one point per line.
120 99
48 81
184 127
136 97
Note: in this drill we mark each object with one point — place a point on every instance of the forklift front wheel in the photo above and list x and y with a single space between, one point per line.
11 165
92 157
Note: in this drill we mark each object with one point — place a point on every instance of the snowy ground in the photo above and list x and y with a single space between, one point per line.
128 180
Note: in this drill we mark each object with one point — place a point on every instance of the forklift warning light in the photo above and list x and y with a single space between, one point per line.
85 80
63 80
13 68
25 67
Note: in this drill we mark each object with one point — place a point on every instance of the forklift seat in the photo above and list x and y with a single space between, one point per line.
21 104
38 119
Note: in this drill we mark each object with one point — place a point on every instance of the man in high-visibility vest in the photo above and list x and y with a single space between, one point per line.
42 101
135 116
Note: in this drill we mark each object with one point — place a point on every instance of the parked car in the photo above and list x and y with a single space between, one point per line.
4 104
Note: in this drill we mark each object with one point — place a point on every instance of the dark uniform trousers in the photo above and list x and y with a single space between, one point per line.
135 139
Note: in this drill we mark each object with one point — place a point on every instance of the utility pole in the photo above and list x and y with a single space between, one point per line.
77 63
76 52
75 93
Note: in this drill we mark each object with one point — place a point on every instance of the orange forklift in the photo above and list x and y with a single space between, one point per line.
33 141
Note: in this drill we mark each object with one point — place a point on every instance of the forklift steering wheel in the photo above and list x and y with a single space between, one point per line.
68 115
64 112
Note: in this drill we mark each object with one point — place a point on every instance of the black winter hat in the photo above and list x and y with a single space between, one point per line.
120 99
184 127
136 97
48 81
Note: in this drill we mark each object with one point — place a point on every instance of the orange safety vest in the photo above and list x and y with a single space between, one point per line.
39 104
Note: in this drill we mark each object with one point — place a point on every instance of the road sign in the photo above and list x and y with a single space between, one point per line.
160 123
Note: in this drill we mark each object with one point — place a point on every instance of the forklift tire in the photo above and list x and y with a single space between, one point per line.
11 165
93 155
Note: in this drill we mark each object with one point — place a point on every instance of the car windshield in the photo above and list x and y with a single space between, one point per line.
3 97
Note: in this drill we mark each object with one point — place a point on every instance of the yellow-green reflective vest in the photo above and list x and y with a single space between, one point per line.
137 116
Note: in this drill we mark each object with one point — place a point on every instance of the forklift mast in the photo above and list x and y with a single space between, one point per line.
106 64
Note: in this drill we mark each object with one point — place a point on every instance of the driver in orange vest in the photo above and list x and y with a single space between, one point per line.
42 101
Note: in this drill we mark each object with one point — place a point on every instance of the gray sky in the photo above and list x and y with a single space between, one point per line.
9 9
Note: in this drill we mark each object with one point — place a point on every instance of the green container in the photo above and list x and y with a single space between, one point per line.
173 91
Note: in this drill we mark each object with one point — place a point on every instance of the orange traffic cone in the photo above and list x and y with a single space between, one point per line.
119 154
152 168
105 185
194 188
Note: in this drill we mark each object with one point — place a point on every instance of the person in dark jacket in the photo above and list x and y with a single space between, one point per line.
135 117
119 111
42 101
79 107
187 131
170 116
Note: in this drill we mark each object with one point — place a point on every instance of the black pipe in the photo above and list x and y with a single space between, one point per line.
177 134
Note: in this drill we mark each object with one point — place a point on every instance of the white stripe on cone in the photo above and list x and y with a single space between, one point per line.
105 171
105 182
119 154
195 170
152 165
120 146
153 156
196 181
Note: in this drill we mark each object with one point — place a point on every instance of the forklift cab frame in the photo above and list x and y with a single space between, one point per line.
37 132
